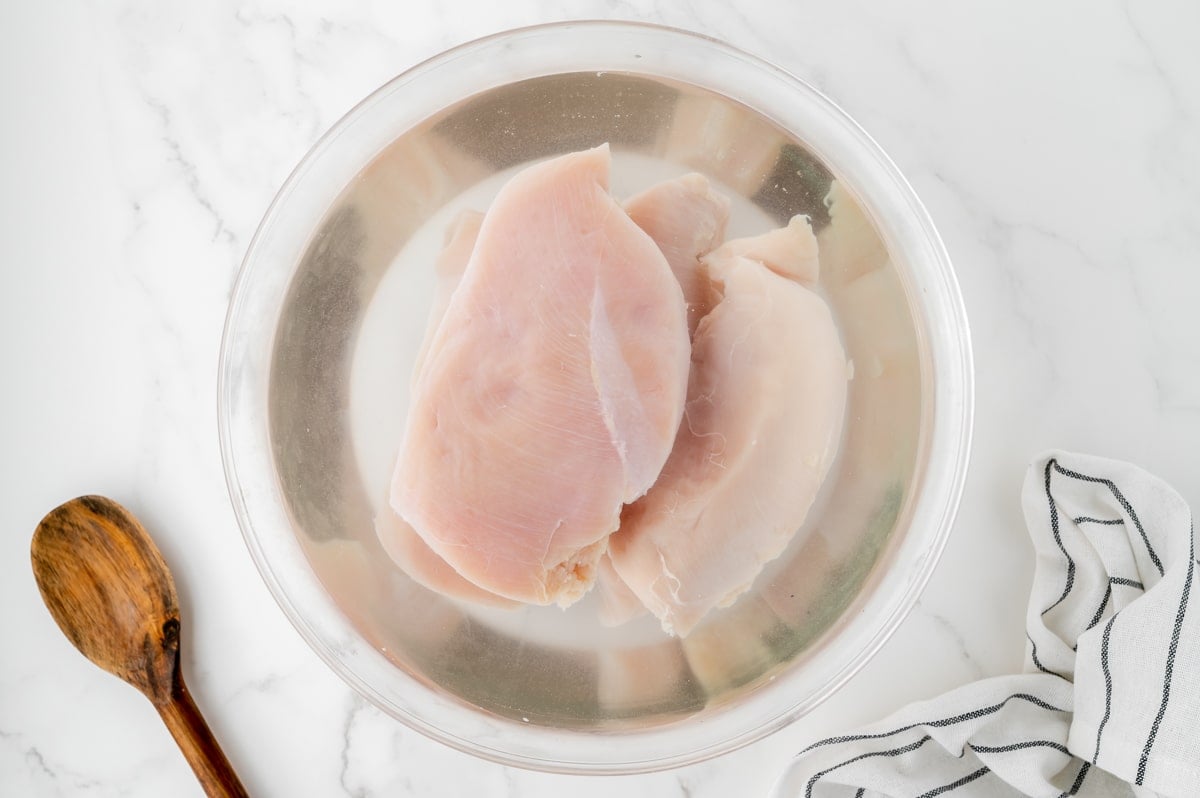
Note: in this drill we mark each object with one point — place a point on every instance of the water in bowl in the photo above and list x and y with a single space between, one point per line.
353 322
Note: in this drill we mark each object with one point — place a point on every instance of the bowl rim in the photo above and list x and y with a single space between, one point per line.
953 425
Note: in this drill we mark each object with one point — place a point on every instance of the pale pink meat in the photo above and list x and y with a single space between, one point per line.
686 218
413 556
763 420
398 538
449 268
789 251
551 392
618 604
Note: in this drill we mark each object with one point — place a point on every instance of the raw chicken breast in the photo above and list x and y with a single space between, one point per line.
450 265
686 218
401 542
788 251
618 604
551 392
766 398
424 566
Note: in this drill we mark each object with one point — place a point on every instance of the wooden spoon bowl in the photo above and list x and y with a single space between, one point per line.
105 583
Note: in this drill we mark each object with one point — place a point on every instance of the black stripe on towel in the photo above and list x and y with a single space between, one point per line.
891 752
1169 671
1120 497
945 788
1107 684
1083 519
1037 663
1120 580
1103 605
1002 749
1079 777
936 724
1058 539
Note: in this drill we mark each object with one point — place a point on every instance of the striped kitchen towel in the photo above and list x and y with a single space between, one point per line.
1109 704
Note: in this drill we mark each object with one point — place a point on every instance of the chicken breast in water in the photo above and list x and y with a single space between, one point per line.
413 556
763 421
789 251
401 542
449 268
552 389
618 604
686 218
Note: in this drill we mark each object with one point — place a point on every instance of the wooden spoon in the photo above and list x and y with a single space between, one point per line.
111 593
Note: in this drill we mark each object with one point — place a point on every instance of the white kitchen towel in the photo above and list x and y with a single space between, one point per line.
1110 701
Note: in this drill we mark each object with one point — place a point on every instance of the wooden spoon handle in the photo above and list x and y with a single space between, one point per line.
198 745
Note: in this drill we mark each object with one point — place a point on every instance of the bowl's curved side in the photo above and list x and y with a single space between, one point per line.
305 198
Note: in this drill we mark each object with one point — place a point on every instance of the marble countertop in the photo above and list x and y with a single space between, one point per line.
1057 148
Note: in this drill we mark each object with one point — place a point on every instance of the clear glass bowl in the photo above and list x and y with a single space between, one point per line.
330 308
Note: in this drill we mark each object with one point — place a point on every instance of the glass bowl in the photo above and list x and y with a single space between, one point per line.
330 308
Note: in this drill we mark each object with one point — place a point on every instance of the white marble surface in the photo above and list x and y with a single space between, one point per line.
1057 147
